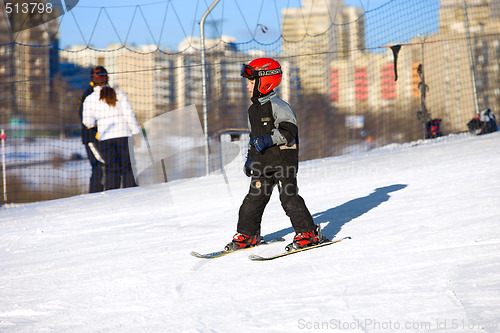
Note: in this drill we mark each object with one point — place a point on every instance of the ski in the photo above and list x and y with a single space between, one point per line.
221 253
255 257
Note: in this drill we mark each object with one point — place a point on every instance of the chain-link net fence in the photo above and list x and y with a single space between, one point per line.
351 89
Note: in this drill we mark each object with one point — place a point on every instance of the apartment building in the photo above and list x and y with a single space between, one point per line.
159 81
452 14
366 80
28 68
483 17
319 27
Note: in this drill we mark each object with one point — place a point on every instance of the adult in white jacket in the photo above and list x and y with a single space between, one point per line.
111 110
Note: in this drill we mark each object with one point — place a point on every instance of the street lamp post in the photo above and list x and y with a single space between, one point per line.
204 84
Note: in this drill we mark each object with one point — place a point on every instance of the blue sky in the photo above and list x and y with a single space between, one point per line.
167 22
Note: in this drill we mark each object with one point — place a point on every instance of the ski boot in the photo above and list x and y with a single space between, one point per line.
241 241
306 239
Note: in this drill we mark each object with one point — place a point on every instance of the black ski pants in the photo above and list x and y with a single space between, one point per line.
118 166
261 187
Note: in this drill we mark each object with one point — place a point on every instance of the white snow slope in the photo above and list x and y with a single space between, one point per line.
424 255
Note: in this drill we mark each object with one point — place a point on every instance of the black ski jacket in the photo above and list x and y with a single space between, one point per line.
88 134
271 115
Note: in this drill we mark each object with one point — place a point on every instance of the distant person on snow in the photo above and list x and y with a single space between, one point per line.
98 76
272 160
112 112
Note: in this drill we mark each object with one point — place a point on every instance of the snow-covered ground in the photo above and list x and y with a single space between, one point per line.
424 254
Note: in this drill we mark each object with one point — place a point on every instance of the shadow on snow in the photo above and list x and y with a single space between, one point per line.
338 216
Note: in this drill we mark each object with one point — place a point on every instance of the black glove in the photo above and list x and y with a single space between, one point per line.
262 142
247 169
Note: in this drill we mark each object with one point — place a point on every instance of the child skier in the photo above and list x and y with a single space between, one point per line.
272 160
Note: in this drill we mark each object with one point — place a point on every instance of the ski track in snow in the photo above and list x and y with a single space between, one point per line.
424 254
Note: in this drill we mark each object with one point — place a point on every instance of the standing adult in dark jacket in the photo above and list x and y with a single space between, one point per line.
272 159
98 76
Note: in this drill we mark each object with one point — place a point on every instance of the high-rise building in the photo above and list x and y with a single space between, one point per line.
225 87
452 14
30 68
320 29
311 25
484 29
6 67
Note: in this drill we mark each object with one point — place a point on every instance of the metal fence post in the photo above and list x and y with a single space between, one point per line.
3 137
204 84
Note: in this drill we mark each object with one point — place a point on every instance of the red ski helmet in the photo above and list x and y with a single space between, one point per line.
266 71
99 75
